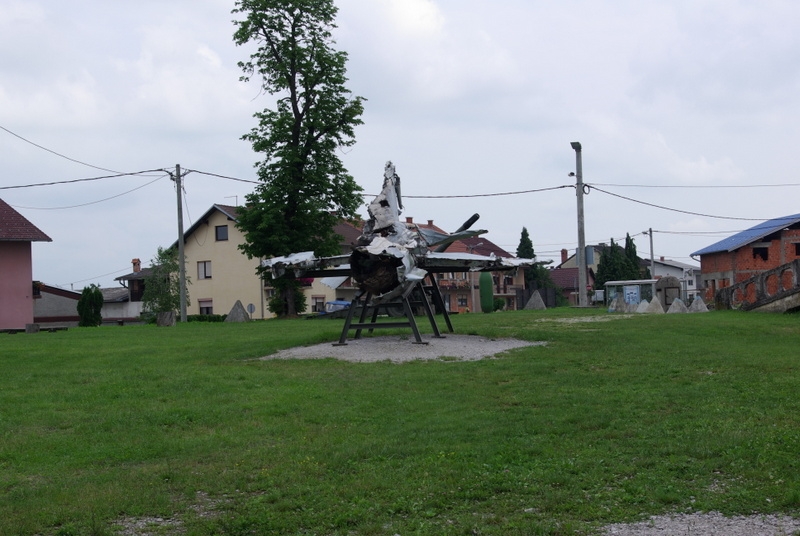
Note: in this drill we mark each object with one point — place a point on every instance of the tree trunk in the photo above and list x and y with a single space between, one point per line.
288 298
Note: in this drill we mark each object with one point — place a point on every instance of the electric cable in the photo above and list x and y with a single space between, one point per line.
675 209
73 181
698 186
92 202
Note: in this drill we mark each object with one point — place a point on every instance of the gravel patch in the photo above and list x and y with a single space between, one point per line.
399 349
708 524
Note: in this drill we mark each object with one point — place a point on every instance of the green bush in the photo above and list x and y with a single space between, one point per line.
89 306
206 318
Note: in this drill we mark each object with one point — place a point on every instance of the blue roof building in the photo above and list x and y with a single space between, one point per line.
770 245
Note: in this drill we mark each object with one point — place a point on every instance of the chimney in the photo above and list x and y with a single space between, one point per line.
662 259
409 219
564 256
137 265
430 223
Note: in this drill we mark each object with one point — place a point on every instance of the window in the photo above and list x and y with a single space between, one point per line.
797 249
206 307
761 252
204 270
462 300
317 304
221 232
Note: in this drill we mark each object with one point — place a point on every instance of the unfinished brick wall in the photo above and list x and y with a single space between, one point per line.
724 268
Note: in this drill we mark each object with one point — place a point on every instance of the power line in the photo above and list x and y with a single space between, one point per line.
95 277
408 196
222 176
73 181
56 153
92 202
674 209
696 186
488 195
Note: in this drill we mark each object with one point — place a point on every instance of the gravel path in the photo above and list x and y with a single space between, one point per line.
705 524
398 349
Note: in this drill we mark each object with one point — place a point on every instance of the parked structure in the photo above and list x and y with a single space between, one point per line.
16 268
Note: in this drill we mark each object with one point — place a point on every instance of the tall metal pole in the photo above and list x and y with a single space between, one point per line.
181 257
652 264
580 255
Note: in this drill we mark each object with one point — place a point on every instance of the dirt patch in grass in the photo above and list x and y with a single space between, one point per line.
398 349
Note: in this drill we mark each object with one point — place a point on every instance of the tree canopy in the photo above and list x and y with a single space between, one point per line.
305 189
162 284
618 264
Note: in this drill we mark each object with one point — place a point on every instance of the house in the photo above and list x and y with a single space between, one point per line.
16 268
126 304
687 274
749 253
567 280
593 254
220 273
56 306
461 290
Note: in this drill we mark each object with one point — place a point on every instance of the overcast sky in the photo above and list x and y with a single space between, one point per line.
690 105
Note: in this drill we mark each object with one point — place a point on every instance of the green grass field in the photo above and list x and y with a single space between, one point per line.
611 421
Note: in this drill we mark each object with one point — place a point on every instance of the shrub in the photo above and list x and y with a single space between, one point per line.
89 305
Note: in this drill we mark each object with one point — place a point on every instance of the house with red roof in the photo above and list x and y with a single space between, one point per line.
461 290
16 266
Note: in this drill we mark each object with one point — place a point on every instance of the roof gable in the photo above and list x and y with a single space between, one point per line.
230 212
750 235
14 227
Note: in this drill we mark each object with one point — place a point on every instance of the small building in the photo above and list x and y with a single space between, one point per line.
667 289
747 254
16 267
633 291
566 279
461 290
56 306
687 274
115 305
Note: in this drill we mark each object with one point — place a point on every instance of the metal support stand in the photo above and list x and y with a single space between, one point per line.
364 299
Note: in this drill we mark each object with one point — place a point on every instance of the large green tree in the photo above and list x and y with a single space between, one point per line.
305 189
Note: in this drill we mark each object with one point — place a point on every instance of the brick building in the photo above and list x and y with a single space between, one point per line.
749 253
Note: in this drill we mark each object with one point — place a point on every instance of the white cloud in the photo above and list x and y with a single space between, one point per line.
415 19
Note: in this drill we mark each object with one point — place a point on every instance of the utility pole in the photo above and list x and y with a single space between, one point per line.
652 262
580 255
181 257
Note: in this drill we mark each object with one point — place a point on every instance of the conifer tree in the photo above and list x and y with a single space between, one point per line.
89 306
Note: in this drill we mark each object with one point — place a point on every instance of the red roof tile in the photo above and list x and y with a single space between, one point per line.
14 227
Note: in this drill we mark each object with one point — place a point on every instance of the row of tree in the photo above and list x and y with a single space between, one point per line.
619 264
